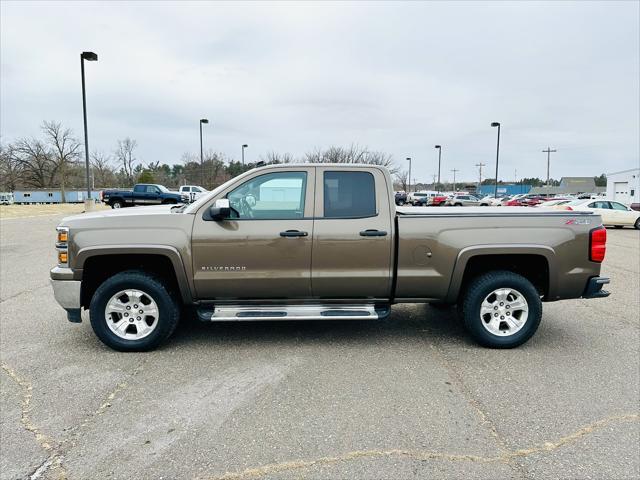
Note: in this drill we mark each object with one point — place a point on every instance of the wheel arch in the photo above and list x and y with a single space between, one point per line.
537 263
99 263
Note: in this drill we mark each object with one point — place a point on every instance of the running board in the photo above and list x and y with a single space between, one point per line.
243 313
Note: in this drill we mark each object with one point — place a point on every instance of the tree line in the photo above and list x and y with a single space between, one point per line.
56 160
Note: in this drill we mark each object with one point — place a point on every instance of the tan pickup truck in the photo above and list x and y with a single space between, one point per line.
320 241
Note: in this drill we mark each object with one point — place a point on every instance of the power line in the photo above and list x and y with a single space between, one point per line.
480 165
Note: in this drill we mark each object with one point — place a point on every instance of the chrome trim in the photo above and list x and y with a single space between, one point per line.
67 293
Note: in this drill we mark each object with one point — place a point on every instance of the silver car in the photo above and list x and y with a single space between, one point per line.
463 201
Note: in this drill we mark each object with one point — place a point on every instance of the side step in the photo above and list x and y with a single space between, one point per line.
243 313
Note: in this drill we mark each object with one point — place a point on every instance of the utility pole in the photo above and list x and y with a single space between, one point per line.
434 180
480 165
409 178
548 151
454 179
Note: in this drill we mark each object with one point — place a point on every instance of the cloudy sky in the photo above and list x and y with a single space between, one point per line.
287 77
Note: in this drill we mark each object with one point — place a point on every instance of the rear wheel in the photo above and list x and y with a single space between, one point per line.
134 311
637 224
117 203
501 309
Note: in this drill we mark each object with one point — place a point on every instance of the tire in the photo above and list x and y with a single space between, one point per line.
637 224
482 289
160 325
117 203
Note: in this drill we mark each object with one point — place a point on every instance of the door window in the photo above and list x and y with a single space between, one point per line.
152 189
618 206
273 196
604 205
349 195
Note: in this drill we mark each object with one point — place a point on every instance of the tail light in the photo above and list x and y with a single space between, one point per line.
101 195
597 244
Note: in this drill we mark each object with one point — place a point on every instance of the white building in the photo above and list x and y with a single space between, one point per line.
624 186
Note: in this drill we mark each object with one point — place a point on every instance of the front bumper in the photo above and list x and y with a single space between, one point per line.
66 291
594 288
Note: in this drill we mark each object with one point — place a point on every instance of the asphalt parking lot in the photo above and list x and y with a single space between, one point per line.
408 397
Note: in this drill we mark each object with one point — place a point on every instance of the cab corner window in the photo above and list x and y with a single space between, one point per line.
349 194
273 196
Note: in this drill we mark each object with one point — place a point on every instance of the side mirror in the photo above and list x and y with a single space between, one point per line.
220 209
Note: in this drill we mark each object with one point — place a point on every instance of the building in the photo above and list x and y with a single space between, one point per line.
624 186
38 195
570 186
504 190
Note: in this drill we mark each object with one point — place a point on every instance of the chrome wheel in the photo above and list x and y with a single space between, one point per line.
131 314
504 312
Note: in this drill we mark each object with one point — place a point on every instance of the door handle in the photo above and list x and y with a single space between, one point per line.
373 233
293 233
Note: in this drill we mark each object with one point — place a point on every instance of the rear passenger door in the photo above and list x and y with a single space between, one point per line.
353 234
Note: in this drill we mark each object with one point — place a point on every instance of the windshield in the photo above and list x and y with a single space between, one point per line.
193 207
163 188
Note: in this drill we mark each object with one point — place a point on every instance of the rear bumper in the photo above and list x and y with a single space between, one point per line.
594 288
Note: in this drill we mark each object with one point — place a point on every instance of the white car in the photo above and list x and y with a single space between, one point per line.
491 201
612 212
194 191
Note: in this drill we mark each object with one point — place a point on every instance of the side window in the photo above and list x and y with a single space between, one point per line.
152 189
618 206
349 194
273 196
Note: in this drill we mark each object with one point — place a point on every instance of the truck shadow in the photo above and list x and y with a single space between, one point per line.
406 322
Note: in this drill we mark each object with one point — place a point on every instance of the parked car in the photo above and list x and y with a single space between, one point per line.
437 200
491 201
142 194
193 191
532 200
462 201
401 198
612 212
419 198
555 203
319 241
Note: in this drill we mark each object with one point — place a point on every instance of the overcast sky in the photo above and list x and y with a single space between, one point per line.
396 77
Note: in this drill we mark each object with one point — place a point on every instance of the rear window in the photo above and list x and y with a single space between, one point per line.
349 194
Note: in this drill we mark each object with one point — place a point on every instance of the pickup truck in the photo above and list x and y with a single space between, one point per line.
320 242
142 194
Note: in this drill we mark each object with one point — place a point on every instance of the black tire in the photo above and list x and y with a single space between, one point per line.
481 287
166 301
117 203
637 224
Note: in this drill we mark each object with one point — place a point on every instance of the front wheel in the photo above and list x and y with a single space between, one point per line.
501 309
134 311
637 224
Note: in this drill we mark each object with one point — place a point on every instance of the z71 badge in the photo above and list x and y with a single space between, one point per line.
578 221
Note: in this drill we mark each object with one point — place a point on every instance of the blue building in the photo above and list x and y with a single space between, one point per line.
504 190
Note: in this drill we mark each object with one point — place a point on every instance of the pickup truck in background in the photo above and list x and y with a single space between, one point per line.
142 194
194 192
320 242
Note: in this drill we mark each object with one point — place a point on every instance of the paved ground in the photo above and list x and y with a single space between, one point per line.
410 397
39 210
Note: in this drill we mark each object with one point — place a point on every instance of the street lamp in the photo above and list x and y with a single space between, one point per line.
243 147
439 159
202 120
89 57
409 186
495 190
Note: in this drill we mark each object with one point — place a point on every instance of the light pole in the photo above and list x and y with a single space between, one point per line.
439 159
202 120
90 57
409 186
495 190
548 151
243 147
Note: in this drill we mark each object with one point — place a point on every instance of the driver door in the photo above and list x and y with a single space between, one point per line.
264 249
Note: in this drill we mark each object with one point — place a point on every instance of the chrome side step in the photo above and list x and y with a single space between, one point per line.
243 313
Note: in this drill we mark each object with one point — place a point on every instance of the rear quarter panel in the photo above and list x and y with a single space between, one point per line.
434 249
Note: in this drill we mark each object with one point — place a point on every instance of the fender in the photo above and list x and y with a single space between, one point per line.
185 286
504 249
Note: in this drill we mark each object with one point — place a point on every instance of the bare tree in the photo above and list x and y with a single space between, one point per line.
401 180
125 157
351 154
10 168
64 152
34 159
274 157
103 170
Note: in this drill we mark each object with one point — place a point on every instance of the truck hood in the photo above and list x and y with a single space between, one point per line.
122 212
